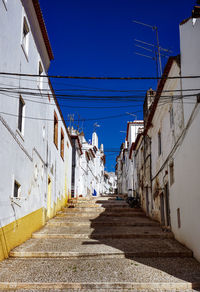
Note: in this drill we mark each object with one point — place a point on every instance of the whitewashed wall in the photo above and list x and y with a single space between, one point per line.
28 156
185 190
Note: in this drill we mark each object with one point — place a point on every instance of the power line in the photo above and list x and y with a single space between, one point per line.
42 119
101 77
70 106
79 97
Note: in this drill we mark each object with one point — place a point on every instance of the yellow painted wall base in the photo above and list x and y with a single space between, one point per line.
19 231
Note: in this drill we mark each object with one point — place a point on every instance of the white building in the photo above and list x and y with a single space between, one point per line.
163 124
35 149
185 196
87 165
169 183
110 182
125 160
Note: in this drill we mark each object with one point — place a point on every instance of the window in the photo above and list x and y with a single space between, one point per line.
40 80
171 114
16 191
159 144
25 36
55 129
21 114
171 172
62 144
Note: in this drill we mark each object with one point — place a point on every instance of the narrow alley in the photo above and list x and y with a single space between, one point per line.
100 244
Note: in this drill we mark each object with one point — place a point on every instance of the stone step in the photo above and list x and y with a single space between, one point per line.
110 274
115 248
106 219
78 255
56 222
94 199
99 233
100 287
102 209
99 205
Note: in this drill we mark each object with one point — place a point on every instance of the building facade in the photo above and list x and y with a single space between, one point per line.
35 150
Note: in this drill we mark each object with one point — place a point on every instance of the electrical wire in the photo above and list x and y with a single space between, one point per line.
100 77
83 119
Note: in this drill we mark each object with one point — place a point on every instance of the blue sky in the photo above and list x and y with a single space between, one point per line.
96 38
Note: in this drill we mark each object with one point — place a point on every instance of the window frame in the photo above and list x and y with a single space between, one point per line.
16 189
159 143
21 115
25 37
40 72
171 172
55 131
171 117
62 143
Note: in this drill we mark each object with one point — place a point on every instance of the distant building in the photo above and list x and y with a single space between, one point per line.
125 160
87 165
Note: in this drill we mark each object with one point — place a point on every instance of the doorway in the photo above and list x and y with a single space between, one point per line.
147 201
167 208
162 209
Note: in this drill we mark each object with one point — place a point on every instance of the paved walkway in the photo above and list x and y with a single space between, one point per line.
100 245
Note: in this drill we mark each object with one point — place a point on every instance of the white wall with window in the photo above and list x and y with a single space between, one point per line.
185 196
28 155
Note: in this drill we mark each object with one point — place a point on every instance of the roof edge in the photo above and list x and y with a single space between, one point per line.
40 18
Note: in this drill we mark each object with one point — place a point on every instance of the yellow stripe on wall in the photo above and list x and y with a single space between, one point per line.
19 231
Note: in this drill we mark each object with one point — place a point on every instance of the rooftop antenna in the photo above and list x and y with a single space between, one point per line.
156 49
71 119
96 125
132 115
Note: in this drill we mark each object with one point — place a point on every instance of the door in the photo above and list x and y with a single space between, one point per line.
49 198
167 208
162 209
147 201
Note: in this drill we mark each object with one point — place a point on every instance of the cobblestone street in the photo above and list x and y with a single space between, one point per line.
100 245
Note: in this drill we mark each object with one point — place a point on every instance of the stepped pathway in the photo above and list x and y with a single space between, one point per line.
100 245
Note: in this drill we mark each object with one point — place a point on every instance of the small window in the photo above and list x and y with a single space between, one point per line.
171 172
55 129
16 191
62 144
21 114
159 144
40 80
171 114
25 36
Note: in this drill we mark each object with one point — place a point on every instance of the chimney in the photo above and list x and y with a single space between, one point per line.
196 10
